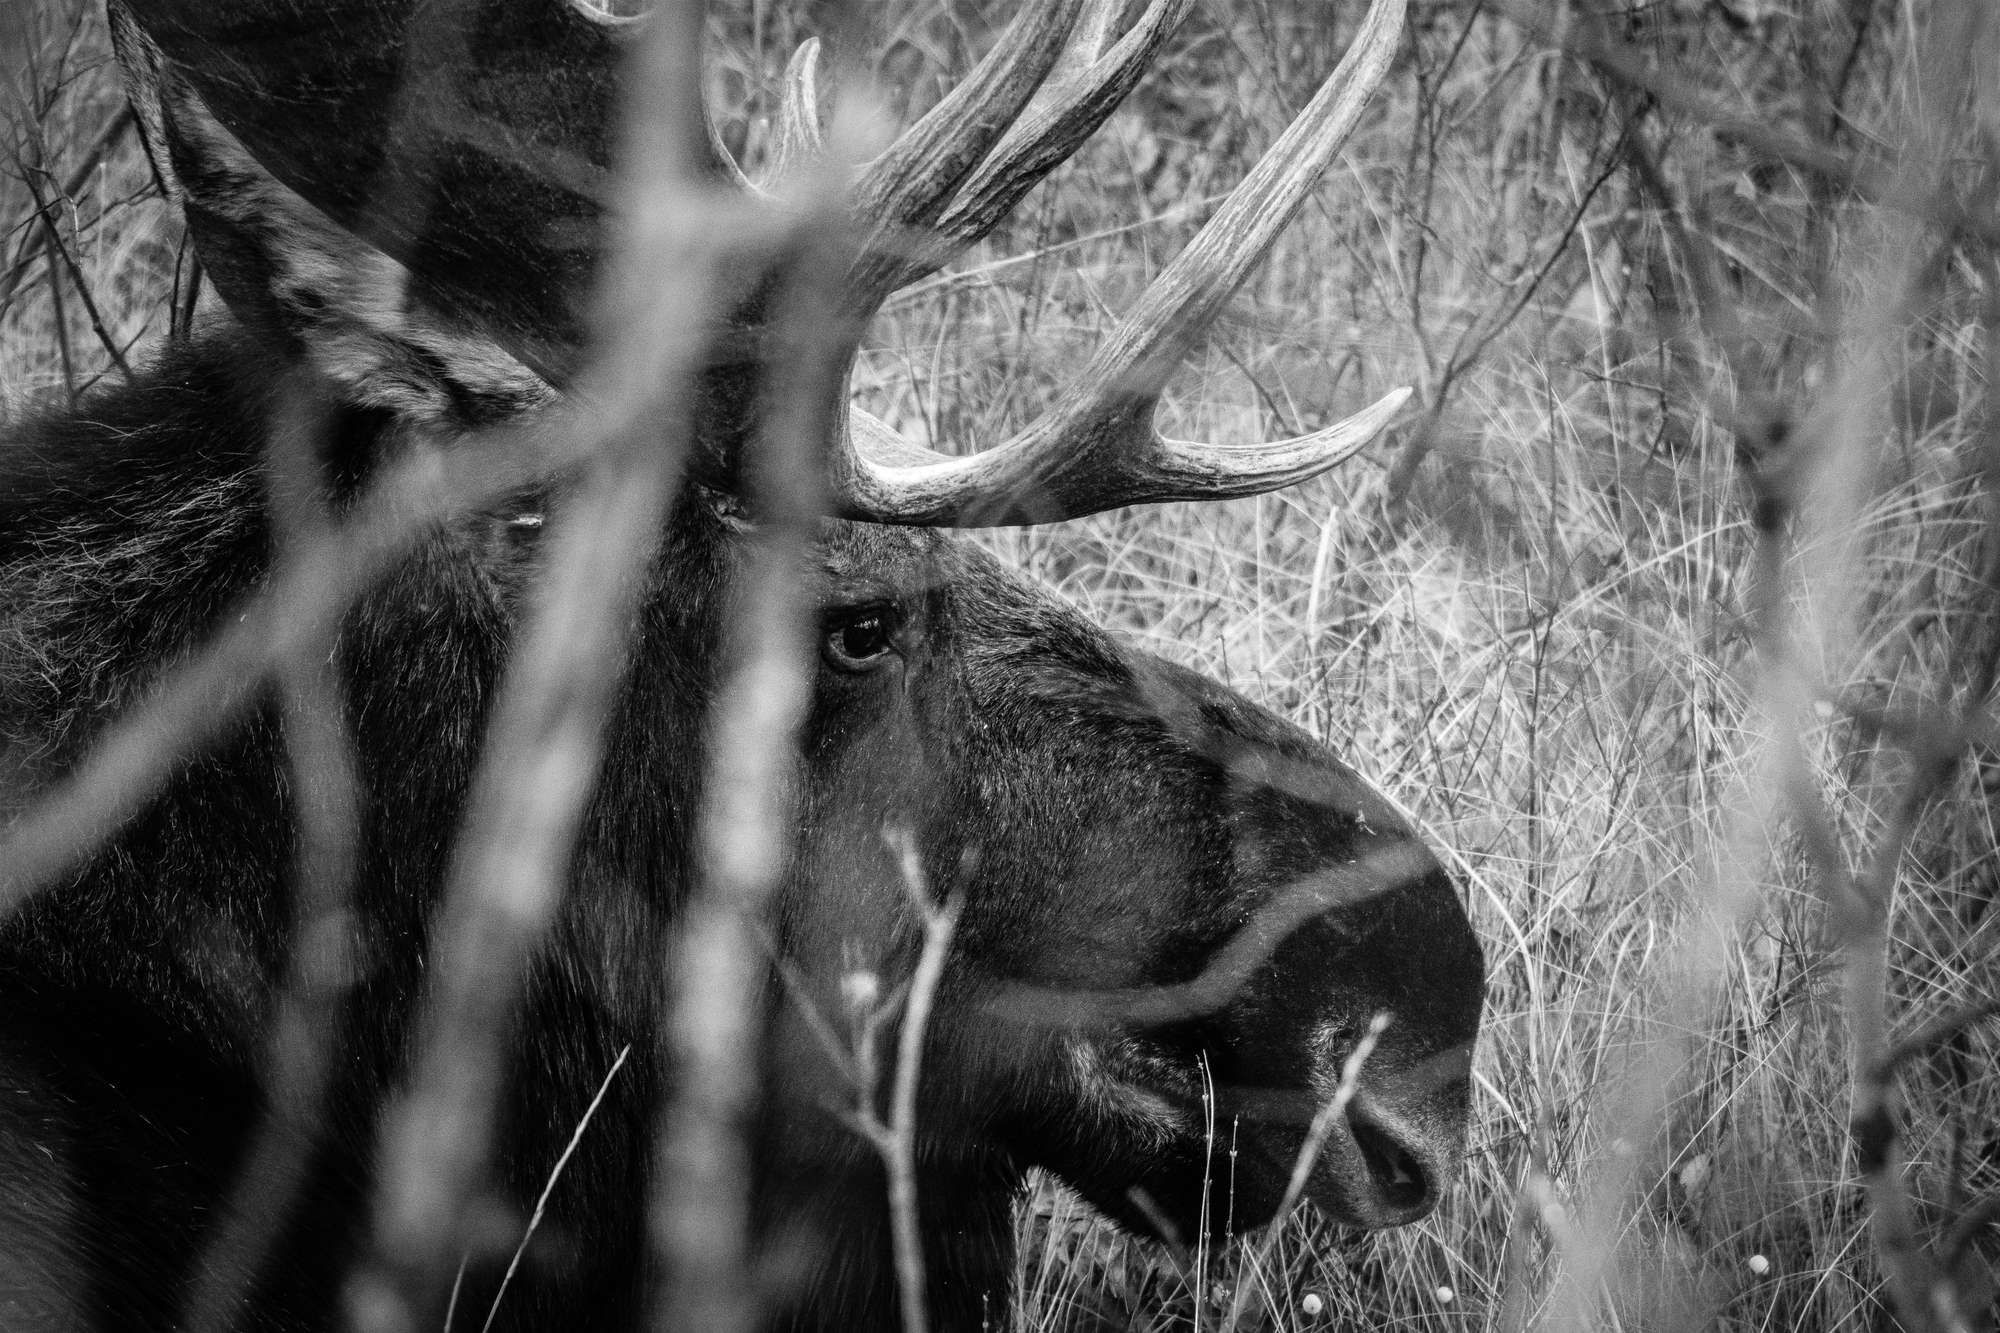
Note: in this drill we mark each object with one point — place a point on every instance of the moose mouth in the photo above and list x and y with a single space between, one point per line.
1353 1170
1221 1157
1358 1172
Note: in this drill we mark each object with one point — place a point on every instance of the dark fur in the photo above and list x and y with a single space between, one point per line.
1109 820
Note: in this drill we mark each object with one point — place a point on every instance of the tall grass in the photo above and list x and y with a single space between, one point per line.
1544 641
1542 614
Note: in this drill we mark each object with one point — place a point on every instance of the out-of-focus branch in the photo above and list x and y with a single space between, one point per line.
1859 902
1858 908
197 702
748 821
1925 1039
541 758
305 1021
1230 967
538 770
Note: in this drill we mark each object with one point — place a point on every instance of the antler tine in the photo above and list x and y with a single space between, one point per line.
900 482
1074 101
1183 301
1097 448
800 138
945 203
908 186
622 27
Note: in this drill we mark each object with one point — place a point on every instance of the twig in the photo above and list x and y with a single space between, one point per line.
57 307
548 1188
747 822
1378 871
1857 905
1322 1125
1939 1029
187 291
539 767
92 158
57 250
307 1012
1858 902
898 1144
547 733
1966 1229
1478 335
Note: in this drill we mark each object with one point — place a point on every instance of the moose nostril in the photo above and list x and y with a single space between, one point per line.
1401 1183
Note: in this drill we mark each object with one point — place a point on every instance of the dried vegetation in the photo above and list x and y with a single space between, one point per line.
1670 607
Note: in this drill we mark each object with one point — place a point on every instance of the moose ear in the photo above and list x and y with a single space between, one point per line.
423 223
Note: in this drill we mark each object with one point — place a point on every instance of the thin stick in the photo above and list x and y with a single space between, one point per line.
539 766
304 1027
547 733
93 158
548 1188
58 307
59 251
899 1152
1323 1122
748 821
1336 1106
457 1286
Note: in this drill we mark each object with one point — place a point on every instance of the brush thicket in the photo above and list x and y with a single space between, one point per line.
1533 612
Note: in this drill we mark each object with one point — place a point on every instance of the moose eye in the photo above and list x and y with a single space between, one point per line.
860 640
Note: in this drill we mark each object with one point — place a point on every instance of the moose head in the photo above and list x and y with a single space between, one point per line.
1170 947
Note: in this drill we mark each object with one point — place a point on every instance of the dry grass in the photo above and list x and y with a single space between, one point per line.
1544 648
1542 639
89 253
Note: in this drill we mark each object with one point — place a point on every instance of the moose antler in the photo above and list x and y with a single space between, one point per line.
1097 448
948 180
521 133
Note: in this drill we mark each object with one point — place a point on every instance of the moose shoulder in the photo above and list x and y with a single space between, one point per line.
1175 911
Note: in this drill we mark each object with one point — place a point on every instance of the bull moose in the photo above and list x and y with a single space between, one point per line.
267 606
